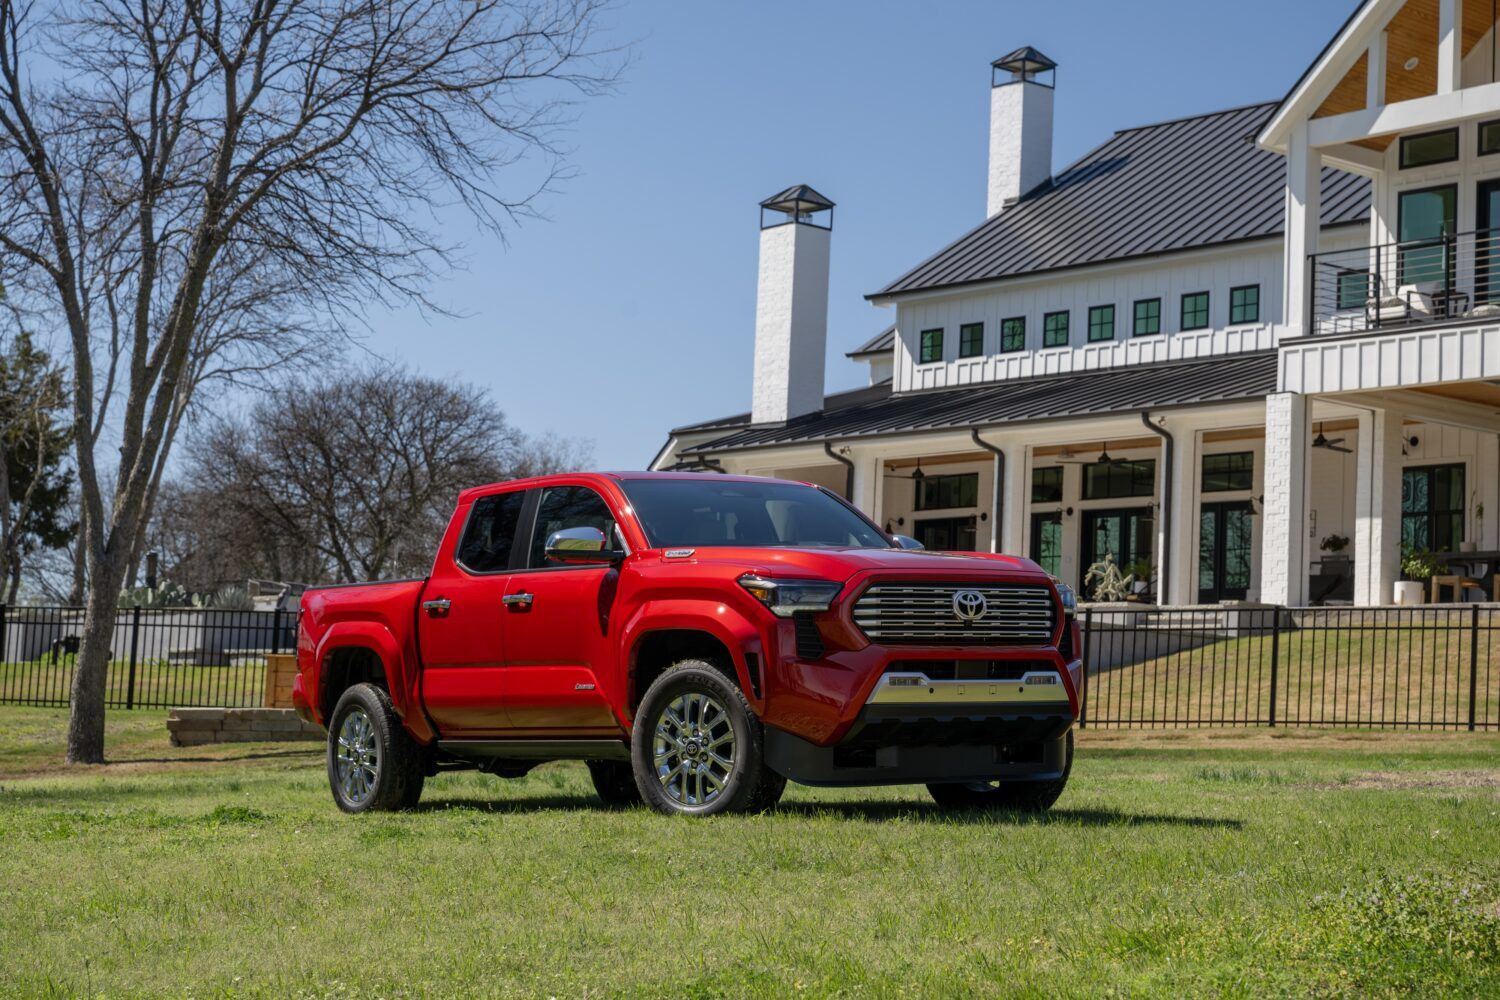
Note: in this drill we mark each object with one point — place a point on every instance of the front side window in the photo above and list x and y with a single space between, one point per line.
1013 334
1147 318
1047 484
1115 479
971 340
702 513
1432 507
1195 311
490 533
946 492
930 350
568 507
1429 148
1101 323
1244 304
1055 330
1231 471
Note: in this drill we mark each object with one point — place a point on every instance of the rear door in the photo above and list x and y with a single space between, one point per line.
461 622
557 650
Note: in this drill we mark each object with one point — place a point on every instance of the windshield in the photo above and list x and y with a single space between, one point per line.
694 513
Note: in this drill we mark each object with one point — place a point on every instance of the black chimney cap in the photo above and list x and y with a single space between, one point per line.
798 199
1026 61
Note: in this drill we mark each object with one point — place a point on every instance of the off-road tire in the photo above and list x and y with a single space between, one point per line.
1015 796
748 785
614 780
398 761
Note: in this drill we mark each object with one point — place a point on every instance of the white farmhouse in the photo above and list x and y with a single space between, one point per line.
1252 354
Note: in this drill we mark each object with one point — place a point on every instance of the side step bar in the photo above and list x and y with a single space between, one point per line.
538 749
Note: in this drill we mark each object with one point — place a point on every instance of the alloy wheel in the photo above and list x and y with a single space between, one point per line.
358 758
693 749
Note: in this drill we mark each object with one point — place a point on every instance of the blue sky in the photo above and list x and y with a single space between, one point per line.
630 310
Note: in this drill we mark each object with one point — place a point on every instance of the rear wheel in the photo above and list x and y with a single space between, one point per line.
373 764
1019 796
697 747
614 780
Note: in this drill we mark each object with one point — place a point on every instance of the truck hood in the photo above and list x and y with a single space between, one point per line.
841 564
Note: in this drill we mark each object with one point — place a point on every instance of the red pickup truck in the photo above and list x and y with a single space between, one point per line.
698 640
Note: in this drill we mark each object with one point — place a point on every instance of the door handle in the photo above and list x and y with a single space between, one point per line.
437 608
517 600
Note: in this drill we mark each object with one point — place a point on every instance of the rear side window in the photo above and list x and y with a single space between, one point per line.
490 534
568 507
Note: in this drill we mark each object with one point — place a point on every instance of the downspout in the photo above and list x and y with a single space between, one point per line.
1165 576
997 491
848 471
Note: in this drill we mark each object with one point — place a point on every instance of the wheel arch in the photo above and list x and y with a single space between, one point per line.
673 631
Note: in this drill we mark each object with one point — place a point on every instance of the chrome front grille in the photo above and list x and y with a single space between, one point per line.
916 614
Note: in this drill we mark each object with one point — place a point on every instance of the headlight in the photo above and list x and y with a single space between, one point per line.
1069 598
784 597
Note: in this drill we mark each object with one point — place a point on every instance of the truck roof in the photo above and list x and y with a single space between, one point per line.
565 477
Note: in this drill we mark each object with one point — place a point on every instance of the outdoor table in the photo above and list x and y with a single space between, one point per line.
1482 565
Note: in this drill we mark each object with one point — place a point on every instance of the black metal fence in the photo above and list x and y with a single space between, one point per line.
1431 667
159 658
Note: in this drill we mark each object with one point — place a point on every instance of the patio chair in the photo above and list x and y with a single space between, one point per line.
1459 585
1407 303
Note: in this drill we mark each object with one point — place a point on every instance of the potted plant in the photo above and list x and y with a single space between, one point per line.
1418 566
1334 546
1106 582
1140 576
1472 544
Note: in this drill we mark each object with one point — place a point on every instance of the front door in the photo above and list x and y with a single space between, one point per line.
557 622
1125 535
1224 552
947 534
1046 541
1487 242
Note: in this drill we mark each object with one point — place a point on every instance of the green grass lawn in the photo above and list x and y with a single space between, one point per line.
1191 863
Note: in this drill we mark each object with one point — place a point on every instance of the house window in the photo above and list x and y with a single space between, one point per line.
1115 479
971 340
1013 334
1423 219
1195 311
1147 318
1244 304
1354 289
1429 148
945 492
1232 471
1101 323
1047 484
931 349
1055 330
1432 507
1489 138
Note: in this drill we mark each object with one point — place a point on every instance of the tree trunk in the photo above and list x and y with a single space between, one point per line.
86 721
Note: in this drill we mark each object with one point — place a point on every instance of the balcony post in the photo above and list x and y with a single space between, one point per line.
1304 175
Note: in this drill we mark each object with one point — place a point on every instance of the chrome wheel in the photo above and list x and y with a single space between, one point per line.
693 749
358 759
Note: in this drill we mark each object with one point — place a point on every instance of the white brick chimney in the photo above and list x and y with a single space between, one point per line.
1020 125
791 305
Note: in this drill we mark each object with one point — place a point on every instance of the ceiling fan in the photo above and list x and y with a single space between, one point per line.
916 475
1065 458
1332 444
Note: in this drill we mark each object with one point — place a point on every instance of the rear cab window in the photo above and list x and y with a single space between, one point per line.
489 538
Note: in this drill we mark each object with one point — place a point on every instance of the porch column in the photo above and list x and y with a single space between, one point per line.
1450 49
1377 506
1181 569
1283 562
1016 502
869 480
1304 173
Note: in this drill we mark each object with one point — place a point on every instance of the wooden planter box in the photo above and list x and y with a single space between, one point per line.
280 669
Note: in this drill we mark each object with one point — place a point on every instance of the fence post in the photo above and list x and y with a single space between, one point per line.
1275 658
1473 662
1083 697
276 630
4 635
135 634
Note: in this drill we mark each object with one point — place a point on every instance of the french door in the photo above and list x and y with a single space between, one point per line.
1224 552
1124 534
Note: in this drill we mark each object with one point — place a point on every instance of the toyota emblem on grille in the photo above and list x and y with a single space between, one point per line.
969 605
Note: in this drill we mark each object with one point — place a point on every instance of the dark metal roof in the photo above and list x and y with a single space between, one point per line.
1126 389
798 198
1024 60
833 401
1177 185
882 343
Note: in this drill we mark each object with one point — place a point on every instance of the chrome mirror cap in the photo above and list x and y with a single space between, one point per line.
907 542
580 545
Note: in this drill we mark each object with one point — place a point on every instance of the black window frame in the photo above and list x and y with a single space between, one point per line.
966 479
1135 317
922 358
1139 469
1423 247
1182 311
520 532
1343 289
531 519
1406 140
1067 332
1479 137
1093 310
1229 459
1005 334
1049 472
1244 320
1458 516
964 329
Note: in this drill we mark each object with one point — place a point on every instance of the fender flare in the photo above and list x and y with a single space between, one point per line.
377 639
714 618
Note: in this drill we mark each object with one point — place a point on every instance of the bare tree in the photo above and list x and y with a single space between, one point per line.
168 142
355 477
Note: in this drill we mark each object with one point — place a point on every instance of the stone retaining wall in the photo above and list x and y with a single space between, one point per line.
197 726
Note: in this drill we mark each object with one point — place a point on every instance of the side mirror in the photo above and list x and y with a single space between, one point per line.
581 546
907 542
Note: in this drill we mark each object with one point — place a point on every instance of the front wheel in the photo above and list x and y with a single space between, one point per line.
1017 796
373 764
697 747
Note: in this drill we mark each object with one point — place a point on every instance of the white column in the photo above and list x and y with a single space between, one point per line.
1304 172
1375 71
1283 562
1377 506
1450 47
869 476
1016 501
1181 577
